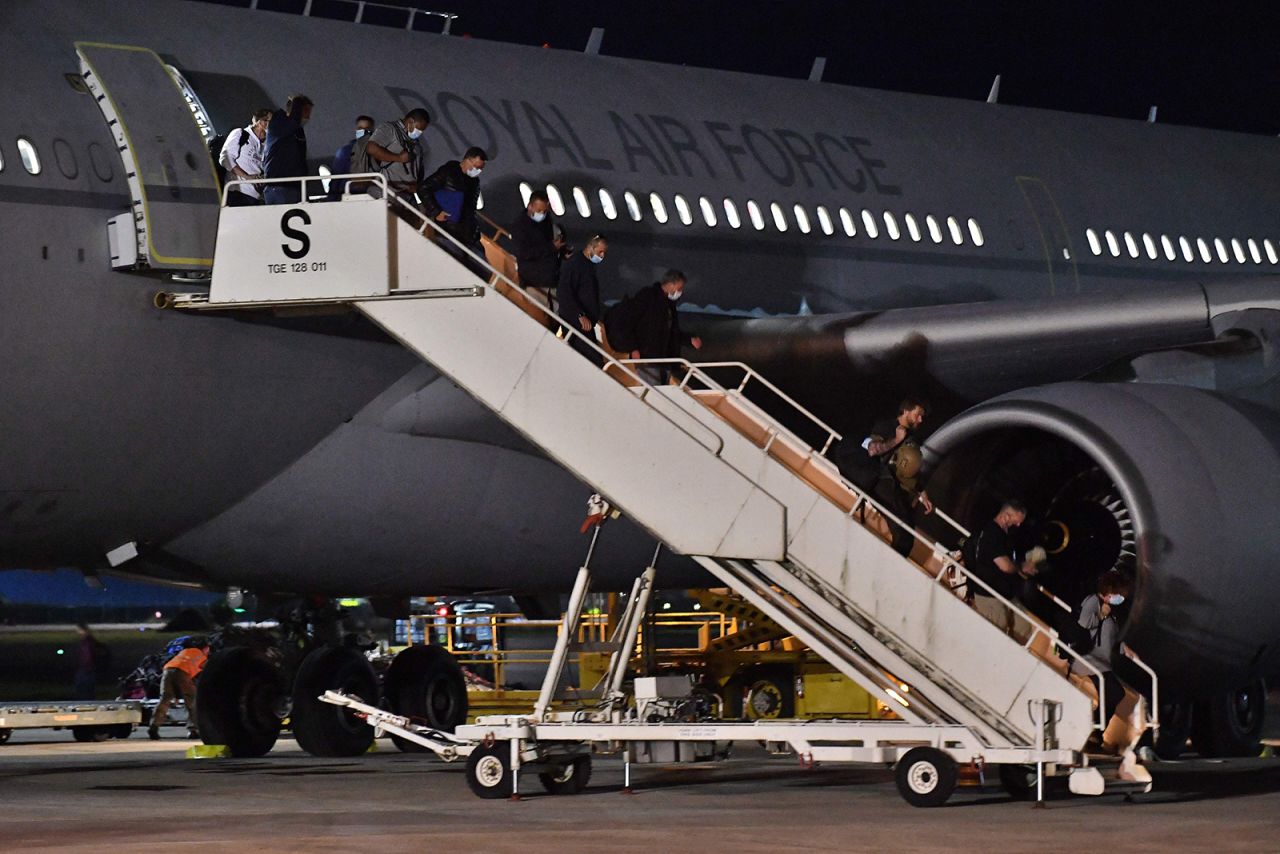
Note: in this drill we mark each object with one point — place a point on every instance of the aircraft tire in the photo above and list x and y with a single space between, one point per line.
425 684
5 733
323 729
1175 729
1231 723
570 779
91 733
238 698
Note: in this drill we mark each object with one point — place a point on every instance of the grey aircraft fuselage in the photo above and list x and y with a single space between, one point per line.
321 457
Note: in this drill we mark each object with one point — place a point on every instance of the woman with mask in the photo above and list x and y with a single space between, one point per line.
1100 617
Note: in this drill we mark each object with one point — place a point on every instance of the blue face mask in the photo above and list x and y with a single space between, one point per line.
360 132
596 259
415 133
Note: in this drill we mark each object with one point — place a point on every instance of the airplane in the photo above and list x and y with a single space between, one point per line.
1088 304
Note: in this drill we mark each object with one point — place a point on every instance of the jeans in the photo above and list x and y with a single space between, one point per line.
282 194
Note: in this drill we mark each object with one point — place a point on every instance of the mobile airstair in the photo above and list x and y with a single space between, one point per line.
707 471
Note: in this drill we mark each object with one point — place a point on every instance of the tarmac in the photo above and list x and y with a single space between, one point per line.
141 796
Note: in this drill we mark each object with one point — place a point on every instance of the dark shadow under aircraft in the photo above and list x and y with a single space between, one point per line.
1089 305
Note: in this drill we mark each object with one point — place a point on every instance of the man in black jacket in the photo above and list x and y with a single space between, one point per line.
647 324
449 196
537 249
579 294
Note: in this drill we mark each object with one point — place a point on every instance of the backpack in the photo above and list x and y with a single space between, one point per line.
620 323
215 154
361 162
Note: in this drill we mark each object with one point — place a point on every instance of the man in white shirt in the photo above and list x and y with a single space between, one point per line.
242 156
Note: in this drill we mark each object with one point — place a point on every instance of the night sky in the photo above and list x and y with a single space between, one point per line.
1209 64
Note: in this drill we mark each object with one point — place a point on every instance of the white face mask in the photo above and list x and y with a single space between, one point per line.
360 132
415 133
675 296
1115 599
596 259
539 216
473 172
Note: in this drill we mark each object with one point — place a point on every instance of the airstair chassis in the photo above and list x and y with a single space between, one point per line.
767 511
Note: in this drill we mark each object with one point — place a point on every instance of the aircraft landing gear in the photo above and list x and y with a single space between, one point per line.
323 729
425 684
1230 723
240 701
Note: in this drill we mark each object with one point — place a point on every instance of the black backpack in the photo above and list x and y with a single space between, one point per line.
215 154
620 323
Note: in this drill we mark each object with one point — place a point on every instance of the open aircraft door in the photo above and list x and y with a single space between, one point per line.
174 192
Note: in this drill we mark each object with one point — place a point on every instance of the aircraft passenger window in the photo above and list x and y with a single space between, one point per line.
27 152
869 224
891 226
935 230
1222 250
1188 254
957 237
1271 250
1205 254
913 228
975 233
1094 245
1131 244
846 222
1253 251
708 211
1113 244
1237 249
1150 244
659 207
557 203
779 216
1169 252
802 219
525 192
607 206
731 214
1 161
633 205
683 210
824 221
753 211
580 201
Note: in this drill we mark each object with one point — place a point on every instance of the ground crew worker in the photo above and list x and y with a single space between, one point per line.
178 681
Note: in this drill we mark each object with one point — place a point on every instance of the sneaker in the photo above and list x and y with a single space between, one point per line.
153 733
193 736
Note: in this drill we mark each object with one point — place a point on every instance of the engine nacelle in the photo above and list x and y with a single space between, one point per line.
1184 487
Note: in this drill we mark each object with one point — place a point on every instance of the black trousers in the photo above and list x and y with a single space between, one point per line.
898 502
1114 691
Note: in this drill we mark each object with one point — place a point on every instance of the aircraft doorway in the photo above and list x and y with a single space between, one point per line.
1054 237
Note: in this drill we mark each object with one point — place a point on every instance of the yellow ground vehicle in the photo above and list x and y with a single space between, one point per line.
744 664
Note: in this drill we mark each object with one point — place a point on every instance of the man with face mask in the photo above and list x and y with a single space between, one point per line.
342 157
646 325
579 294
1099 616
286 150
536 248
394 151
449 197
241 156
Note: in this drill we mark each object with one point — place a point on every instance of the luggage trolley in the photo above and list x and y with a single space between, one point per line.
660 722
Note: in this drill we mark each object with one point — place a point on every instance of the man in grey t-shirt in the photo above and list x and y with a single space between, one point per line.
394 151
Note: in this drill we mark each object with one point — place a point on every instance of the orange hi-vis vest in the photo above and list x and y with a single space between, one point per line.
189 661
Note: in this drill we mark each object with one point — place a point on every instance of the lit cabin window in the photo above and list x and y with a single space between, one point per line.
1170 253
580 202
846 222
1205 254
708 211
1222 250
479 198
633 205
779 216
1 161
1253 251
525 192
1131 244
824 221
683 210
325 172
1095 246
1237 249
935 230
1113 244
27 151
658 207
557 203
957 236
607 207
975 232
802 219
1188 254
1271 250
731 214
1149 243
869 224
913 227
757 218
891 226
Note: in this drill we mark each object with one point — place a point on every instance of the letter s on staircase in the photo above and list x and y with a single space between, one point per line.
304 240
